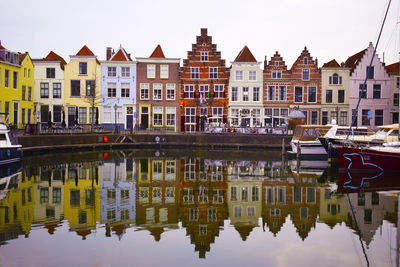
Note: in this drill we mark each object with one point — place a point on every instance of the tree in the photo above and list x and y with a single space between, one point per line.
93 98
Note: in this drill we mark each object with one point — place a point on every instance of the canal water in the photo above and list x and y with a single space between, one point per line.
193 208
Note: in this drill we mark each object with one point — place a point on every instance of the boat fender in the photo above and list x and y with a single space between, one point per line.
105 139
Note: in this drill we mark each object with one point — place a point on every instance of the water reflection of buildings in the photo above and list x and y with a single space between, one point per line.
118 195
157 189
203 200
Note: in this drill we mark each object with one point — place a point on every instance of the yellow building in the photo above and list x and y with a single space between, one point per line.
16 87
82 88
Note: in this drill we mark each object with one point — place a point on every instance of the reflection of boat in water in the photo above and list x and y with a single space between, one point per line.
8 151
9 177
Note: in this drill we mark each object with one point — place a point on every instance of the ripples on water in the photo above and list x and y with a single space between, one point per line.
188 208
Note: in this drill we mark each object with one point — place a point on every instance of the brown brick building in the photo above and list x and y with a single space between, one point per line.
157 93
204 86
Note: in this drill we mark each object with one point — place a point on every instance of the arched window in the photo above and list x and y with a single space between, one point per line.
335 78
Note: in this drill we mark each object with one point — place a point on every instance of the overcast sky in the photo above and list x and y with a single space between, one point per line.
329 28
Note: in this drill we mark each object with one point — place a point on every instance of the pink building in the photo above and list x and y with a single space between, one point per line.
374 106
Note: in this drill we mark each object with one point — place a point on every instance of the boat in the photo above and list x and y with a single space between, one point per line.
8 151
337 136
305 143
384 157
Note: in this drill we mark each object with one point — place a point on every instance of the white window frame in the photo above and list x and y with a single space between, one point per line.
157 122
203 56
252 75
164 71
218 91
239 75
170 114
194 72
189 90
170 91
213 72
151 71
157 91
112 71
144 86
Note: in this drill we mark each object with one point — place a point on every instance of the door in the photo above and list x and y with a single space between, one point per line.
71 116
144 118
129 118
15 111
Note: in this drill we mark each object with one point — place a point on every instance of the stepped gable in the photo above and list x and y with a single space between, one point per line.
275 58
121 55
393 68
157 53
331 64
244 231
353 61
304 53
245 56
54 57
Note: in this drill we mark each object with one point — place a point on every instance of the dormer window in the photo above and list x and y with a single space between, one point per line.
335 79
305 61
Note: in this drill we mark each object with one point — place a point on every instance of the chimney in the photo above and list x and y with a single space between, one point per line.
108 53
265 63
316 62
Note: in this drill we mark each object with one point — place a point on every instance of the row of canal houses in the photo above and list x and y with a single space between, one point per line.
156 92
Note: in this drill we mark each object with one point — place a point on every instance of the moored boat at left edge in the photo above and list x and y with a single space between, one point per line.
8 152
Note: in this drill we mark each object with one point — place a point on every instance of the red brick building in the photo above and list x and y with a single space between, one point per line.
204 86
157 92
306 83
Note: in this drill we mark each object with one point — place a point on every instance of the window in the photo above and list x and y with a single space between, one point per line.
125 90
75 88
324 117
378 117
252 75
282 92
341 96
204 91
111 89
213 73
144 91
44 113
170 91
365 117
29 73
57 113
170 113
314 117
44 195
15 81
334 116
189 91
194 73
56 195
310 195
276 74
306 74
217 112
377 91
363 91
219 91
190 119
234 96
90 88
343 118
164 71
56 90
6 78
82 68
239 75
335 79
234 193
44 90
328 96
305 60
107 114
271 92
203 56
125 72
256 93
23 116
23 92
370 72
82 115
396 99
269 195
157 116
157 91
298 94
312 94
245 93
276 63
112 71
50 73
151 71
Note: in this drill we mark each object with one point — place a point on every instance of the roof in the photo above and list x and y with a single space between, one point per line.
21 57
157 52
393 68
85 51
54 57
2 47
121 55
245 56
331 64
352 61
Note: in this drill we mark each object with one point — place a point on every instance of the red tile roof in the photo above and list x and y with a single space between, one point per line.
352 61
245 56
85 51
393 68
21 57
331 64
157 52
54 57
121 55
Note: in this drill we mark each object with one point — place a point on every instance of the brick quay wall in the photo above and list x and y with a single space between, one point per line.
41 144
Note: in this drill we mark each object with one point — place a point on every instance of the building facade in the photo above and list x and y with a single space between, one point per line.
118 90
204 86
82 96
335 93
16 86
394 72
375 98
245 92
157 94
49 89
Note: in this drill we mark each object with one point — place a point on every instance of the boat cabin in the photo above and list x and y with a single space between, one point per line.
310 132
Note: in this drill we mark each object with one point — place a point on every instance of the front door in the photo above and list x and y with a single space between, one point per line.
15 114
144 118
129 118
71 116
